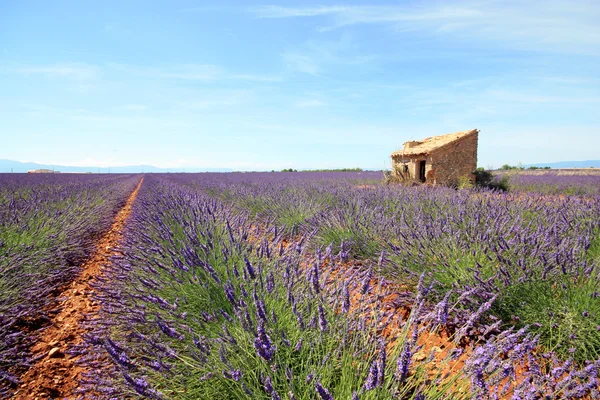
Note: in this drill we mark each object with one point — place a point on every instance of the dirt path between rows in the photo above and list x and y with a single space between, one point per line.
56 374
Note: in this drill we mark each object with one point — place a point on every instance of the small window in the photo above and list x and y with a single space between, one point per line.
405 168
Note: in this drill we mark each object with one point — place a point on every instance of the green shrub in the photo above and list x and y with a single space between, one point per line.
486 179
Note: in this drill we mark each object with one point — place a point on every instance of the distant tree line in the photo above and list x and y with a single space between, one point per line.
507 167
323 170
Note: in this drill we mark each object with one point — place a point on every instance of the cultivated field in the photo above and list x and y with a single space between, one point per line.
298 286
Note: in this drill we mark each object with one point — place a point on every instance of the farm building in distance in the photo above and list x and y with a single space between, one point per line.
441 159
43 171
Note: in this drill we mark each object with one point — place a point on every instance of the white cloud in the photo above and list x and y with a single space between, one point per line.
76 71
553 26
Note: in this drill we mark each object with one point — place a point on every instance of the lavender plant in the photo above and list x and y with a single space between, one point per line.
48 225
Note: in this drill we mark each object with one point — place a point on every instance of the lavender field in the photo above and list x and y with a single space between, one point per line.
578 182
311 286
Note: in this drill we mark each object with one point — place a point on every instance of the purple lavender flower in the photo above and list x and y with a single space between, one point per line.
381 362
323 393
270 282
250 269
206 377
141 386
322 319
230 293
300 321
289 374
118 354
225 315
261 311
263 345
366 284
234 374
313 278
373 377
403 363
442 310
268 384
381 260
345 298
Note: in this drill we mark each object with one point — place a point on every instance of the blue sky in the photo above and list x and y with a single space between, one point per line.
303 84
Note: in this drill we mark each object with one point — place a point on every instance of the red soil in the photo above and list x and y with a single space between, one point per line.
56 374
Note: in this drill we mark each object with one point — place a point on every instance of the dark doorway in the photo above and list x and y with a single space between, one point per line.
422 170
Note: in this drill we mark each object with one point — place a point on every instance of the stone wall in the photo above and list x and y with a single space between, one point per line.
455 160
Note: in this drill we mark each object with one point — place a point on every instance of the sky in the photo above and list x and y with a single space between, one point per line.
296 84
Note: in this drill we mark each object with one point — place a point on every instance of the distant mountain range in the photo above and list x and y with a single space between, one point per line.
567 164
17 166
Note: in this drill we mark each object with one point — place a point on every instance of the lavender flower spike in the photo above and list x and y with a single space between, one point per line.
263 345
323 393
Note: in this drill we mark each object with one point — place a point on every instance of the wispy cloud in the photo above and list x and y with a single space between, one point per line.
555 25
74 71
520 97
134 107
216 99
568 80
310 103
351 15
286 12
192 72
320 57
257 78
298 62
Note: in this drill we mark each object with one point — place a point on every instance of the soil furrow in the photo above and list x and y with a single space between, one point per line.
56 373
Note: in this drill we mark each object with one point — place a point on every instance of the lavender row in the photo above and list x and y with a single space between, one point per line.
47 227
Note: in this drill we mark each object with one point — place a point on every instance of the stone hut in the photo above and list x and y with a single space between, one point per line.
441 159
